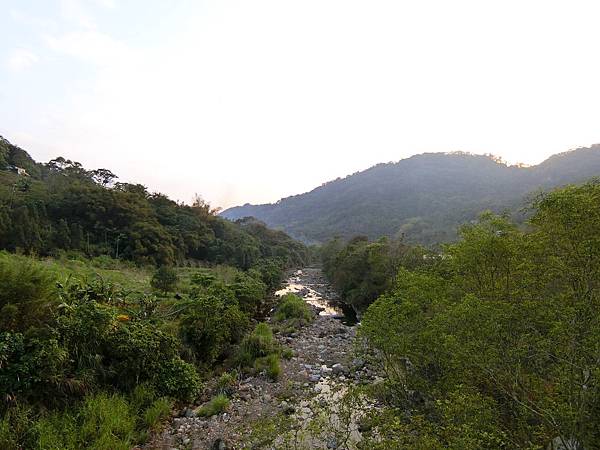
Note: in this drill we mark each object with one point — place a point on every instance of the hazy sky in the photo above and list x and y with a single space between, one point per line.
251 100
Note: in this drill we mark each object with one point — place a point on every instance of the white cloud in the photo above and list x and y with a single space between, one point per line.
21 59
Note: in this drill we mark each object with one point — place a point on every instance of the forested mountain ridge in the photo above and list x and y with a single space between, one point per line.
60 206
424 197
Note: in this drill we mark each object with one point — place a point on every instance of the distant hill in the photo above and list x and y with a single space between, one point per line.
424 197
61 208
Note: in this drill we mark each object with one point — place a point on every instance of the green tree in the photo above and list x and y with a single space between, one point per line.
164 279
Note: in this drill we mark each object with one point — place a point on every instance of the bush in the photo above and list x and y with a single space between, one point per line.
15 427
211 326
203 278
270 365
293 310
156 412
88 348
102 421
26 292
178 379
34 370
287 353
107 423
164 279
8 440
257 344
217 405
271 272
260 352
57 431
226 383
250 292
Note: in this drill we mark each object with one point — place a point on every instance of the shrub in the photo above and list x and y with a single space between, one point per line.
211 326
226 383
33 369
270 365
26 291
57 431
217 405
271 272
124 354
178 379
107 423
287 353
257 344
203 278
250 292
156 412
136 352
164 279
292 308
142 397
8 438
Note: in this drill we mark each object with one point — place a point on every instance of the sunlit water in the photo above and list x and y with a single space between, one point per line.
298 284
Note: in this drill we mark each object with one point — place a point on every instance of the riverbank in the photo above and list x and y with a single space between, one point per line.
305 403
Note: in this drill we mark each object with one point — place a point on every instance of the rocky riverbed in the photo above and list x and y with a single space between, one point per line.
310 403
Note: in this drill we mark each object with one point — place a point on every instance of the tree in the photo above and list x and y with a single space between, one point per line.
164 279
103 177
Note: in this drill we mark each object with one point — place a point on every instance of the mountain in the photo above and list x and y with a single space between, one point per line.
424 197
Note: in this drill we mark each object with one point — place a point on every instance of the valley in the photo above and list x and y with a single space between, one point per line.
302 408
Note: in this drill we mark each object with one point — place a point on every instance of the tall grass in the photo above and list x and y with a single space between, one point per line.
270 364
217 405
257 344
101 422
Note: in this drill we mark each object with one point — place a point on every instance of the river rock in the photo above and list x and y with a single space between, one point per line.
219 444
338 369
358 363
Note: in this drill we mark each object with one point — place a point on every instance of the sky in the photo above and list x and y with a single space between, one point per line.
251 101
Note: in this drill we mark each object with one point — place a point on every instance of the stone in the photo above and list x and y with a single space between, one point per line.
562 443
286 408
338 369
332 443
325 369
358 363
188 412
219 444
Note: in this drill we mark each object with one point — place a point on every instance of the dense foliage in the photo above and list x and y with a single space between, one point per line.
94 362
361 270
494 343
75 348
60 206
423 198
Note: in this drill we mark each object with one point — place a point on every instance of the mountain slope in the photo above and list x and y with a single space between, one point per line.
60 207
424 197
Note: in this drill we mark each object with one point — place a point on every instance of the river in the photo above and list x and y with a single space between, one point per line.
310 284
